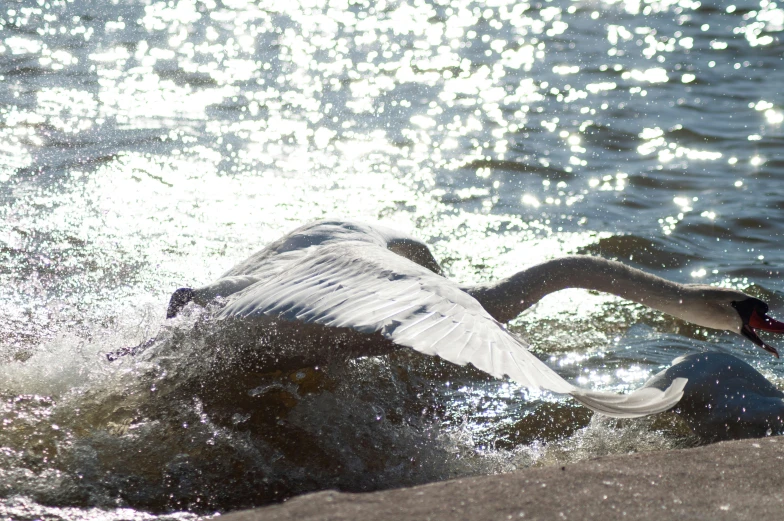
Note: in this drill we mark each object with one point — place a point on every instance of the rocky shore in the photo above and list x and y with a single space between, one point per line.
729 480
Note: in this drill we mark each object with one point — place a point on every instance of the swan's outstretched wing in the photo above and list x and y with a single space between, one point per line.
372 290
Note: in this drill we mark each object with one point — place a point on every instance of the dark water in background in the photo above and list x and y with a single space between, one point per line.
149 145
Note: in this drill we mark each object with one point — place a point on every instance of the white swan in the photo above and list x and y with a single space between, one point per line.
342 288
725 398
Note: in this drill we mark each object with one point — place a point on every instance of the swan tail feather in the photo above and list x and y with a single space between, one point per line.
642 402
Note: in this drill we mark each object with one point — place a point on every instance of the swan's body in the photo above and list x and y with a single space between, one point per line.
338 288
725 398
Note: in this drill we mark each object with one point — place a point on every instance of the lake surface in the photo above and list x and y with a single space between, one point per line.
149 145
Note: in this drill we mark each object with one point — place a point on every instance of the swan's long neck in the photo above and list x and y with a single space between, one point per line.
507 298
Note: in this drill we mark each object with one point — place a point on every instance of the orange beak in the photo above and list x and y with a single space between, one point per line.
762 322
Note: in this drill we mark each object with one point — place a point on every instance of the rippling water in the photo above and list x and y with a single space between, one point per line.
152 144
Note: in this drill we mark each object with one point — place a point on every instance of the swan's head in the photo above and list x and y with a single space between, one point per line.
735 311
179 300
753 315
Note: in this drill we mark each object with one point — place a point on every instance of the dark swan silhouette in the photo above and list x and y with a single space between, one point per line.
353 289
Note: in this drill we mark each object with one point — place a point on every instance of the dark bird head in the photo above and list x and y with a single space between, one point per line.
179 300
753 315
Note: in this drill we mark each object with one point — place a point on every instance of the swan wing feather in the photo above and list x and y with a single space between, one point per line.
373 290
